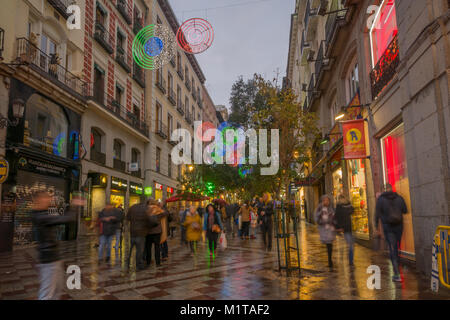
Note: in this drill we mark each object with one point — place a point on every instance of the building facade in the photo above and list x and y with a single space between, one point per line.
209 110
385 62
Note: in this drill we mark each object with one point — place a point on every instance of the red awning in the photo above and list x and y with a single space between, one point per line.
187 196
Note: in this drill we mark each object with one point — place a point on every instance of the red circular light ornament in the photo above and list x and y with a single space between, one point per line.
195 35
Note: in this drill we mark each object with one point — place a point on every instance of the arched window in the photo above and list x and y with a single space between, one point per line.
47 125
352 81
96 140
135 156
117 149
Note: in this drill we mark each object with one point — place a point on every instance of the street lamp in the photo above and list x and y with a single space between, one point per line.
18 106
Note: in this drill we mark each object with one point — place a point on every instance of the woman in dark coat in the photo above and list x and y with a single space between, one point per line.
344 211
211 221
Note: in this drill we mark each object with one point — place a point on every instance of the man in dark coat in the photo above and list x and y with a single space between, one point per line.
154 234
390 209
265 213
140 223
108 223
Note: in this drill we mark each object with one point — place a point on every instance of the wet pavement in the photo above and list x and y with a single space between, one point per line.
243 271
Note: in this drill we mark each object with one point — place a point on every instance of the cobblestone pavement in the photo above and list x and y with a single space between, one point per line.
243 271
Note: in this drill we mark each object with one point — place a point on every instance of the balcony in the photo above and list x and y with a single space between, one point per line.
61 6
49 67
311 90
334 22
171 96
161 129
161 84
180 74
103 37
98 157
138 75
200 103
305 49
137 174
188 84
114 107
122 59
310 21
119 165
125 10
137 26
188 117
385 69
180 108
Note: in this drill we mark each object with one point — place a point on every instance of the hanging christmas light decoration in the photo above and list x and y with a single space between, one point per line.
195 36
154 46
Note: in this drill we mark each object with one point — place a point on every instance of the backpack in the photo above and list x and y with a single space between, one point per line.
395 215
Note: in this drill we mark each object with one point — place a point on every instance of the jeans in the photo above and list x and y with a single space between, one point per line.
118 243
348 236
245 229
393 235
105 241
164 250
139 243
51 277
212 240
149 241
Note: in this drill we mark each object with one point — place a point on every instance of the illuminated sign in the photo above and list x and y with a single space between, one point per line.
119 184
148 191
136 188
158 186
169 190
354 140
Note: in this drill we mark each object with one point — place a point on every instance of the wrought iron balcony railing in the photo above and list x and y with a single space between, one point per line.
122 59
98 156
61 6
49 66
311 90
161 84
103 37
171 97
119 165
332 25
138 74
161 129
385 69
114 107
125 10
137 174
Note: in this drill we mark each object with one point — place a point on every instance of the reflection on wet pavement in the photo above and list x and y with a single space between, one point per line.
243 271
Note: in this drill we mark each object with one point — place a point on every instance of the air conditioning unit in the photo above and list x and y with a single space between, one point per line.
133 167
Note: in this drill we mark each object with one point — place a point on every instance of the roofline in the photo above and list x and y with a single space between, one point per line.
172 19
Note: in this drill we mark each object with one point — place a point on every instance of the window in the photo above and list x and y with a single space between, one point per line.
186 73
117 150
159 75
179 62
179 95
48 47
158 20
99 84
100 15
179 172
96 140
334 112
186 102
119 94
169 125
169 170
384 30
137 112
136 157
352 83
170 81
158 160
120 42
158 116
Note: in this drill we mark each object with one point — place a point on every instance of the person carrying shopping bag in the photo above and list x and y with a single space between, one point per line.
193 223
212 227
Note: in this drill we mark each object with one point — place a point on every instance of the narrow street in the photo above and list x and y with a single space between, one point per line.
243 271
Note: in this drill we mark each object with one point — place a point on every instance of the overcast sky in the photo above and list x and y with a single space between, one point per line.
249 38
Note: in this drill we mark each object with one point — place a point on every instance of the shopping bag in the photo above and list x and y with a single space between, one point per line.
223 241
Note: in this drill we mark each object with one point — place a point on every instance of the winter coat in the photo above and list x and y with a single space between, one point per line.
140 221
158 228
268 212
326 224
108 228
344 217
45 226
193 225
245 214
217 220
386 202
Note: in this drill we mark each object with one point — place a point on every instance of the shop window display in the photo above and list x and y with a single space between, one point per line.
338 185
358 197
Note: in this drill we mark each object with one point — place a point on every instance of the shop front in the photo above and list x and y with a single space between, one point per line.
358 197
395 173
158 191
119 189
136 192
96 195
43 153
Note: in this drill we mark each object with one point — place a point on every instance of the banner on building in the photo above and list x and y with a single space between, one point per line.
354 139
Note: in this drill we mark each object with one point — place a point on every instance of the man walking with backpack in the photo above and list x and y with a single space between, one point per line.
390 209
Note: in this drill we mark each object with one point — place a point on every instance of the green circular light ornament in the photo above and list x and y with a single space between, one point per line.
154 46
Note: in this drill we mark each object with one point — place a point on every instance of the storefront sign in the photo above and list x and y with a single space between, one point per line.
306 182
354 140
169 190
41 167
136 188
158 186
4 170
148 191
119 184
353 110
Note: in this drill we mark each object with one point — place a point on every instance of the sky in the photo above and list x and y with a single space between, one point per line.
251 36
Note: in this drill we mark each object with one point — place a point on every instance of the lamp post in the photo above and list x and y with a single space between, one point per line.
18 106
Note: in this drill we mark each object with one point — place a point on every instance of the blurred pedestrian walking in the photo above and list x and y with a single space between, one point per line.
253 221
344 211
213 227
244 213
193 227
265 212
390 209
154 234
182 215
107 218
51 267
119 228
165 221
326 221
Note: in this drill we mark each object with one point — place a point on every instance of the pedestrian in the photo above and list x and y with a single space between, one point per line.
154 234
229 219
244 213
119 225
174 221
390 209
182 215
213 227
325 218
107 223
253 222
193 225
165 221
50 266
141 221
265 212
344 211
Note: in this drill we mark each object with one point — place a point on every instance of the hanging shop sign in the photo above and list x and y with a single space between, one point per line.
148 191
336 159
158 186
136 188
335 135
41 167
4 170
354 140
169 190
119 184
353 110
